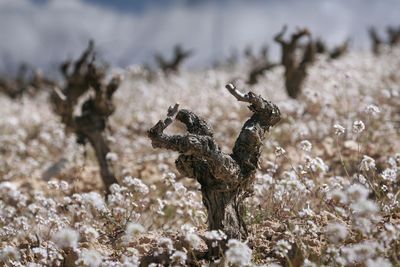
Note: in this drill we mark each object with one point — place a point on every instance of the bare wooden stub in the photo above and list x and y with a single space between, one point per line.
81 77
226 179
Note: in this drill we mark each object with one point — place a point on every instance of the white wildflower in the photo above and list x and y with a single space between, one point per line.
116 188
308 263
305 145
9 253
339 129
357 192
358 127
238 253
179 188
282 247
194 240
52 185
364 207
63 185
111 156
397 158
215 235
367 163
40 253
336 232
136 184
132 230
361 178
188 228
316 164
378 262
357 253
95 200
306 212
279 151
389 175
372 110
66 238
8 186
338 196
90 257
165 242
132 261
179 257
89 233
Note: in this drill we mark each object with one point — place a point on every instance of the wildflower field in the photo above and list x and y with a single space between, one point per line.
326 192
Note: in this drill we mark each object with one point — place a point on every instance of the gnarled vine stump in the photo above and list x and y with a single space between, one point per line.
173 65
334 53
258 64
28 81
90 125
225 179
393 38
295 70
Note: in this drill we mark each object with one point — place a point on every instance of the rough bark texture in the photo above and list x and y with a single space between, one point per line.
90 125
295 70
174 64
225 179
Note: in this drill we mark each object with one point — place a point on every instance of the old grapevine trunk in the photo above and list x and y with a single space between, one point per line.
81 77
225 179
295 69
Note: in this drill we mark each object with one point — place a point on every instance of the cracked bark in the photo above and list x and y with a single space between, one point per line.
225 179
90 125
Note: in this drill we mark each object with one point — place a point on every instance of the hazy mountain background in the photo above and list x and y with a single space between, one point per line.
44 32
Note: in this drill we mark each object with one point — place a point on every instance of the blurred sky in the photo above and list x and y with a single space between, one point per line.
45 32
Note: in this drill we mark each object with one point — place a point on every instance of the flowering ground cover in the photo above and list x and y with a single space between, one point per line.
326 192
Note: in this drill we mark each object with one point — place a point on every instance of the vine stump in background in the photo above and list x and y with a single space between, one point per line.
295 69
83 77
